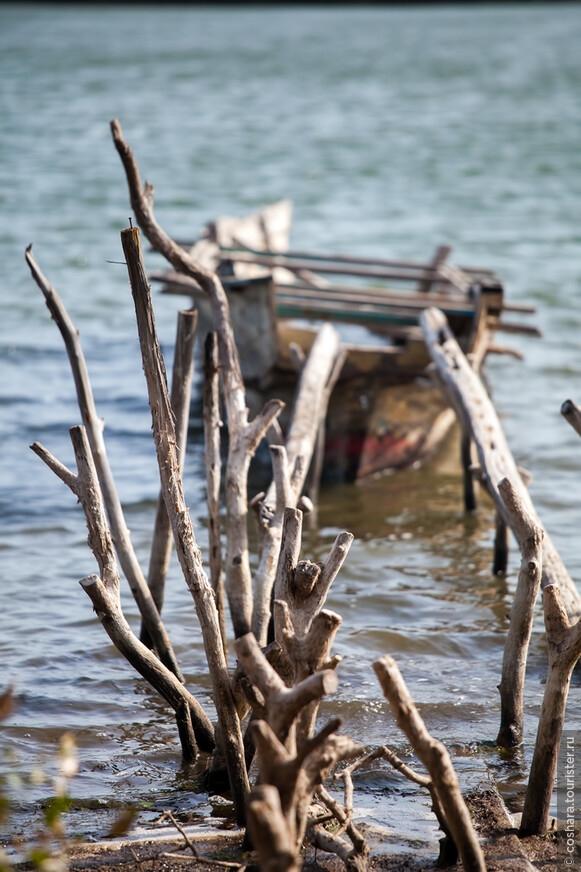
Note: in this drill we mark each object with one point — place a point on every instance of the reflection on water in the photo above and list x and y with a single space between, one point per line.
465 131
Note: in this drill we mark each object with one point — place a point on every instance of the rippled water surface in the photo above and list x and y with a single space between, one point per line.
393 130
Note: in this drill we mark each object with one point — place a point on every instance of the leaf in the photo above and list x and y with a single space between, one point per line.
122 824
56 807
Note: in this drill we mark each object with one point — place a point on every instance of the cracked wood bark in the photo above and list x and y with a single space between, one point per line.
104 592
529 537
564 642
307 423
243 436
437 761
94 425
473 406
183 533
181 392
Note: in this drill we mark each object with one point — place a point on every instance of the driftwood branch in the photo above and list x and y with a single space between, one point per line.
307 421
181 392
294 777
564 642
437 761
183 533
94 426
474 408
530 537
243 437
105 595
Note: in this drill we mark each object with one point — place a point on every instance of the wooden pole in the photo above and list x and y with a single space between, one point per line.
213 461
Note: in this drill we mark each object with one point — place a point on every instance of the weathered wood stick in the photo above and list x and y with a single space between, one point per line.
572 413
309 411
437 761
213 461
269 832
181 392
530 537
243 437
564 642
270 526
119 529
183 533
354 855
104 593
473 406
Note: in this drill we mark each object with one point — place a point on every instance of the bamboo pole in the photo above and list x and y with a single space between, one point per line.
181 392
94 425
183 533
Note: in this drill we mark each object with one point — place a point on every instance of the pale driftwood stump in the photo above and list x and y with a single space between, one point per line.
244 436
437 761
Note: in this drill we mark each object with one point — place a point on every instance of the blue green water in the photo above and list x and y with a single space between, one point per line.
393 130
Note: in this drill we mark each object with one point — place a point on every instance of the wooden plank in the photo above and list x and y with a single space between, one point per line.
377 296
362 261
441 255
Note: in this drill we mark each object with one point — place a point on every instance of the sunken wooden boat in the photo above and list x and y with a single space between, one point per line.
385 413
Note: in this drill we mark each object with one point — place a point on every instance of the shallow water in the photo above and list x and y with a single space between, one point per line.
393 130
